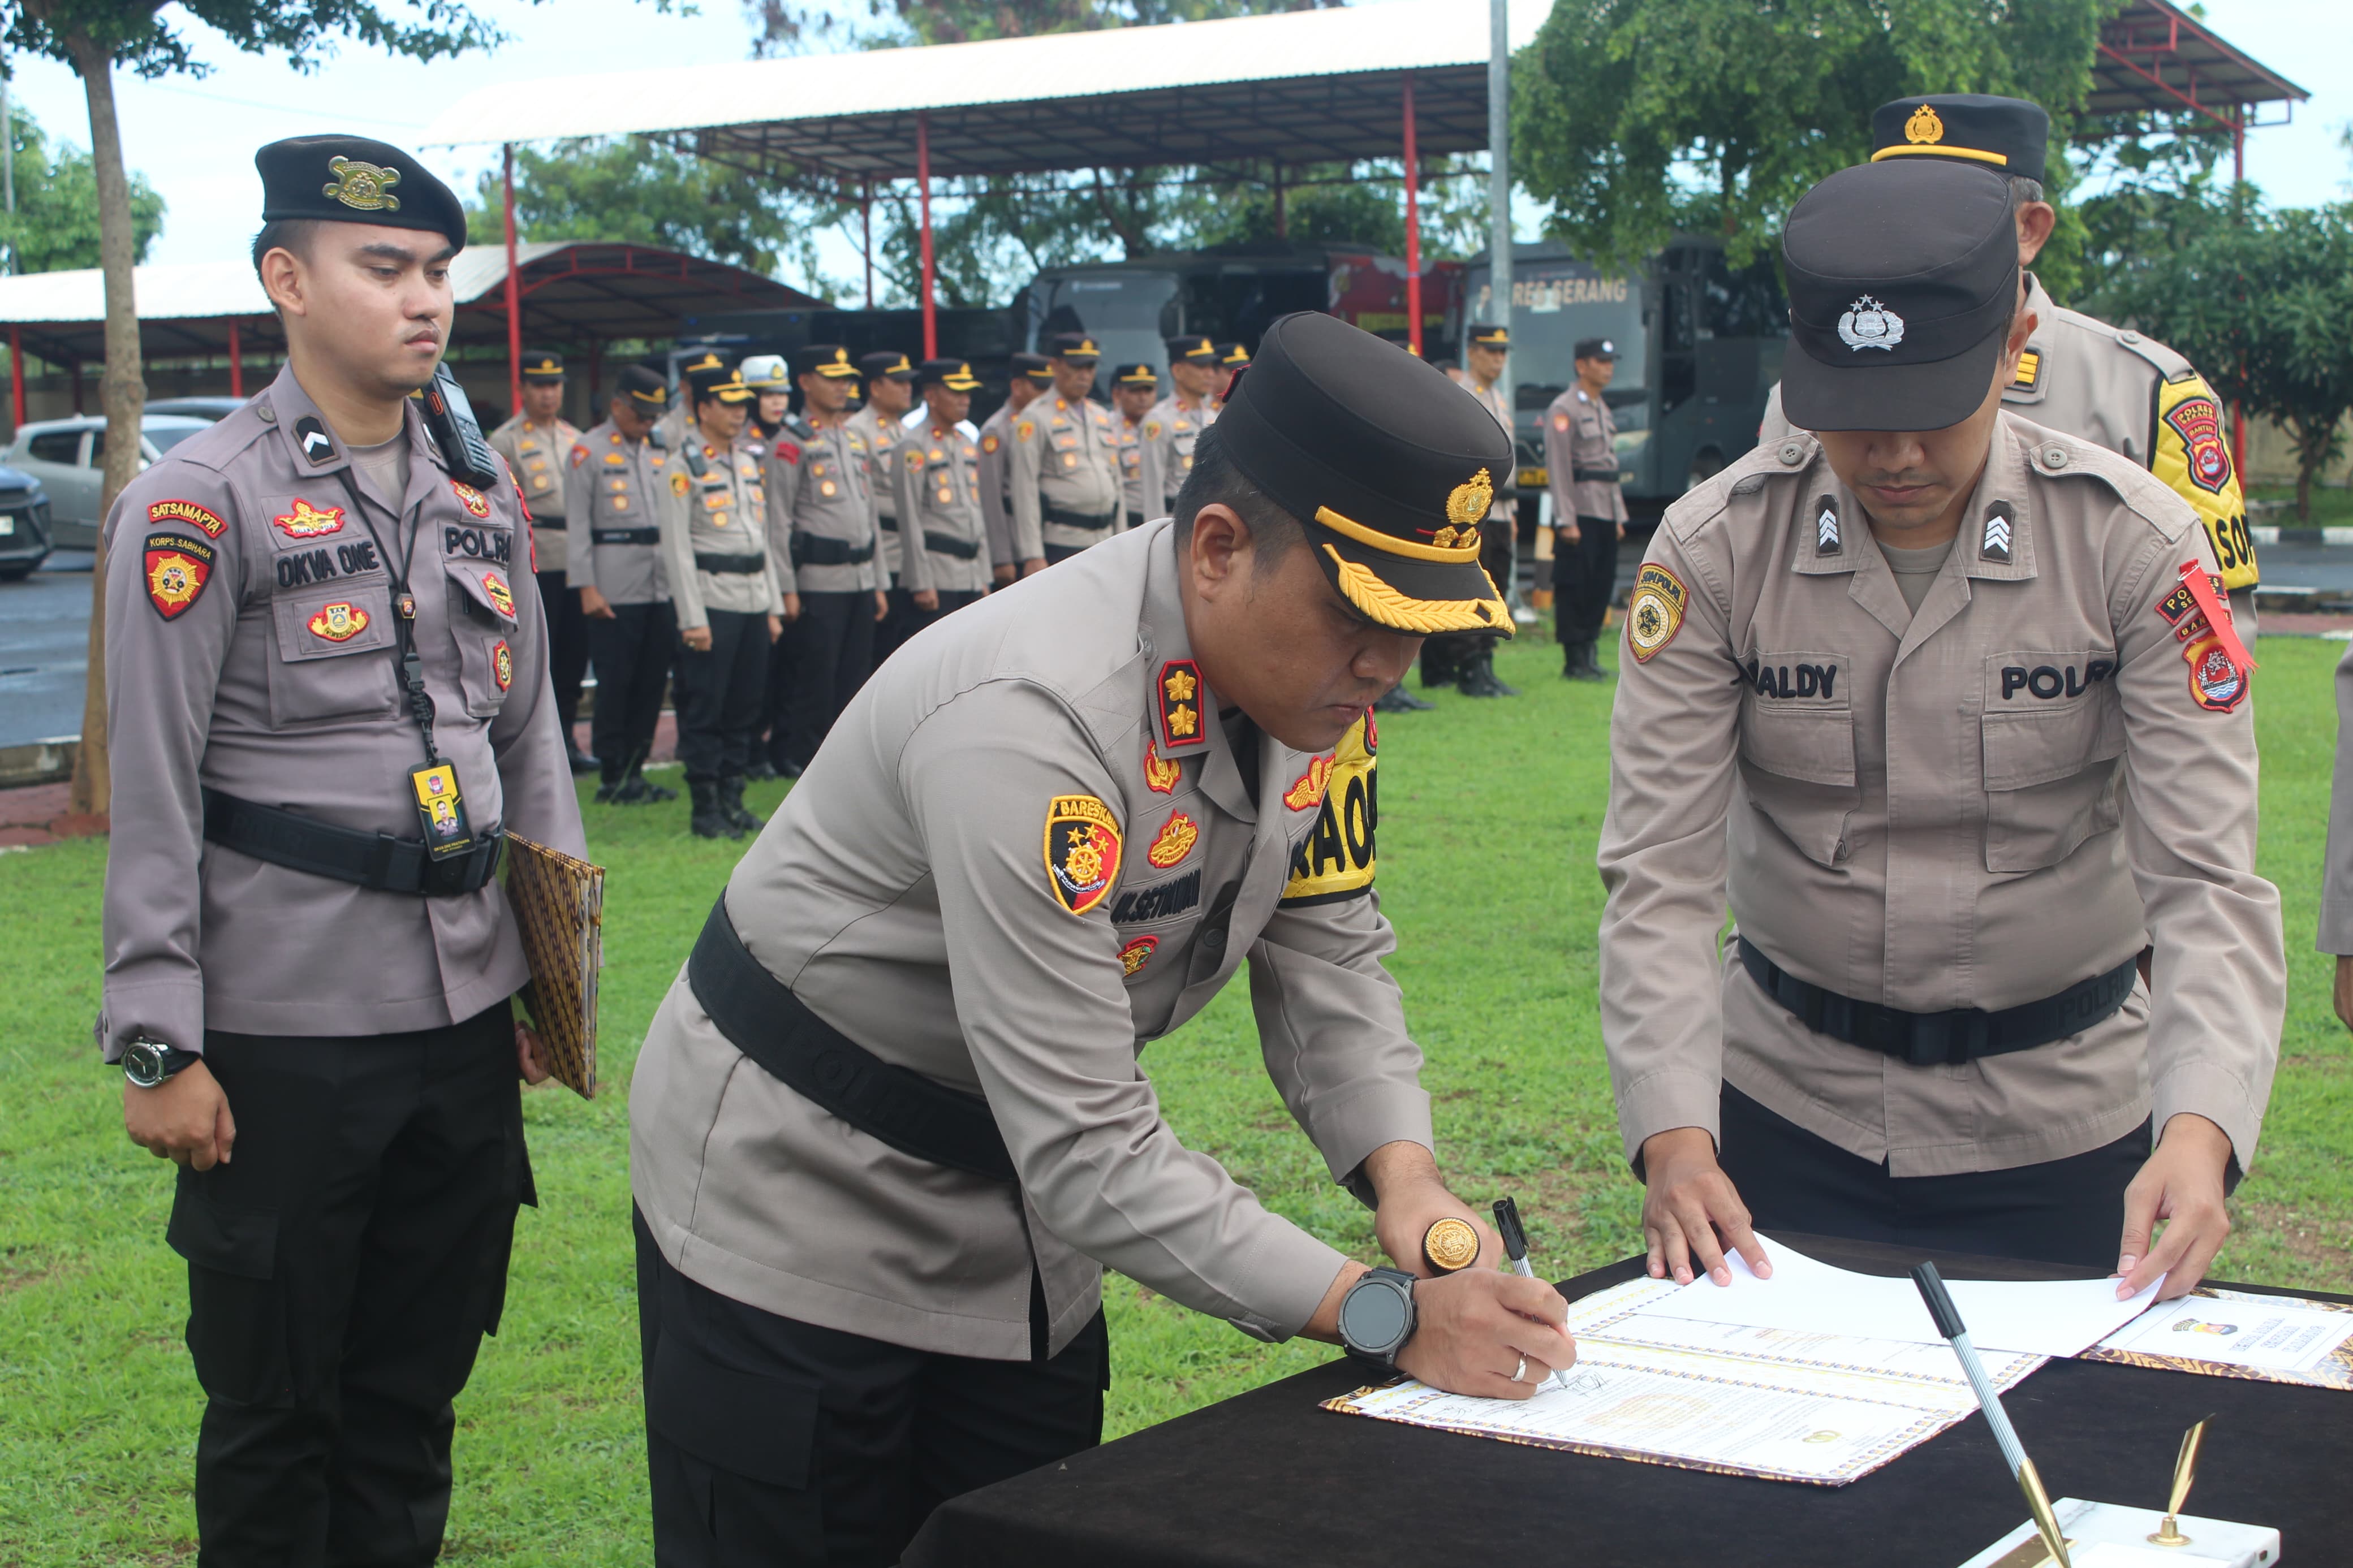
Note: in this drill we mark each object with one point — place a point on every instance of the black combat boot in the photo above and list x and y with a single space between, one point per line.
1580 666
612 785
1398 699
648 793
710 820
730 802
1478 677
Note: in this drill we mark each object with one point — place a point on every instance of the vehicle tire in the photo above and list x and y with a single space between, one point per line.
17 573
1705 464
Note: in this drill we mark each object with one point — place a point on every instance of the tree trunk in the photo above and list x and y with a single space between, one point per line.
124 394
2309 451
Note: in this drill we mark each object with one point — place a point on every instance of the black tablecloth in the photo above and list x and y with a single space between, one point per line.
1267 1479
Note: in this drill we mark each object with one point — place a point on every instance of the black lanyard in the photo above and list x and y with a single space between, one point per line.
406 660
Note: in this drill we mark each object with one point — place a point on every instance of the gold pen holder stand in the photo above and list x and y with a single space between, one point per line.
2110 1536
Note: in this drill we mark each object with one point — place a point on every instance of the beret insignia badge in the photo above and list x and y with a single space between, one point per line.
1925 126
365 186
1868 324
1082 851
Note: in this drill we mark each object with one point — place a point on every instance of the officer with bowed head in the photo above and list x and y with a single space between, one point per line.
1178 713
613 481
325 598
1958 641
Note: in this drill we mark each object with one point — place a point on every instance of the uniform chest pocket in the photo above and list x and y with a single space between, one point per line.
334 660
2050 770
483 622
1797 761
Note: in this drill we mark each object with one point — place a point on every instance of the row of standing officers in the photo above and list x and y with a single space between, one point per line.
772 560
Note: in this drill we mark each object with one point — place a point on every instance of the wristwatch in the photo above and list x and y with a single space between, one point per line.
147 1063
1377 1316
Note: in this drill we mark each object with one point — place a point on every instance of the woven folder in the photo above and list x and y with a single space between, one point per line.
559 903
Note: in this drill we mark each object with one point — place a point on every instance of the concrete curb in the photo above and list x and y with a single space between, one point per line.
2271 533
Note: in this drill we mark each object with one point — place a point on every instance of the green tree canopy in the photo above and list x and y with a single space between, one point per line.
2264 306
55 225
1638 117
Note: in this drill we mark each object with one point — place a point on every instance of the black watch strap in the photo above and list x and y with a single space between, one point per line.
1364 1305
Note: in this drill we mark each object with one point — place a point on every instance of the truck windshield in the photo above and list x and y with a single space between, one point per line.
1127 312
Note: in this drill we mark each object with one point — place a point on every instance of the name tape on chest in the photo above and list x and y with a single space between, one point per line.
1335 860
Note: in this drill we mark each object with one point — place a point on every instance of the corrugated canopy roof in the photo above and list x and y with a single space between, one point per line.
2155 55
1300 86
573 291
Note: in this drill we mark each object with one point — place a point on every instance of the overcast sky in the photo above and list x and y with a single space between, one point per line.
194 139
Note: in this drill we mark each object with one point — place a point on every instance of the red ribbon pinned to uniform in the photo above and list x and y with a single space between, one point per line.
2217 612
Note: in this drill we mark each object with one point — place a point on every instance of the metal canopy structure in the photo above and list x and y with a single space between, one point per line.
570 292
1404 79
2154 55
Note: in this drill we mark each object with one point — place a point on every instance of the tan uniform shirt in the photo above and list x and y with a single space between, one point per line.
719 510
1166 451
250 646
822 492
2115 388
935 495
1923 813
536 454
1008 545
1064 461
902 892
612 497
1581 437
882 435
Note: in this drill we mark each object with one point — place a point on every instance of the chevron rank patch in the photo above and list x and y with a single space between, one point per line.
1335 860
1995 547
1826 527
1082 851
2029 366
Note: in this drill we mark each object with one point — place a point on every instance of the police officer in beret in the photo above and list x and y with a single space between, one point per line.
1581 437
335 611
1467 661
2108 385
534 444
1135 388
614 479
1012 552
935 474
1955 636
1062 473
890 381
1176 423
857 1304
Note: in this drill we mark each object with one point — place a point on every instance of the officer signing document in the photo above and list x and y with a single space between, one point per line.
327 686
1911 661
889 1126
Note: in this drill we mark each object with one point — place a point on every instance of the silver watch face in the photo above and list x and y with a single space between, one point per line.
143 1063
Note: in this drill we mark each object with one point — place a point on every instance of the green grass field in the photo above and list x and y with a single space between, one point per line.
1487 868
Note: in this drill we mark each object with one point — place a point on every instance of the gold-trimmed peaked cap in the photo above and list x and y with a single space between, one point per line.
355 179
831 361
542 364
647 393
1387 465
955 374
2007 135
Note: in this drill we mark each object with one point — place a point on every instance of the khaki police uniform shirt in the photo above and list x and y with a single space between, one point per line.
1064 456
821 485
1013 864
612 496
250 645
1581 435
1127 444
1171 430
882 435
719 510
1009 544
2117 389
1923 813
535 453
935 495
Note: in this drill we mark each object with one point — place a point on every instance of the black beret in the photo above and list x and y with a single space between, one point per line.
355 179
1903 278
1136 374
874 366
955 374
1595 348
1487 335
542 364
645 389
831 361
1034 368
1387 465
2007 135
1074 346
1199 351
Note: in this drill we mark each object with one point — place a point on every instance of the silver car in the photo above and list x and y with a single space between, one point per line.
68 456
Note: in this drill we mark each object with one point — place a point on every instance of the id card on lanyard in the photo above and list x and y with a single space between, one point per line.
442 806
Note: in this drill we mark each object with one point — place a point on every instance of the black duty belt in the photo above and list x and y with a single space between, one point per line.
373 860
729 565
949 544
810 550
627 536
1930 1039
1078 520
761 1017
1584 476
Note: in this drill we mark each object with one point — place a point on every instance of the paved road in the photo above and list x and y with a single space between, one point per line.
44 637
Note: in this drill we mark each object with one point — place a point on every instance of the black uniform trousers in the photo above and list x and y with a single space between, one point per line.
632 651
2056 1211
771 1443
831 653
567 648
719 696
342 1269
906 619
1584 579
